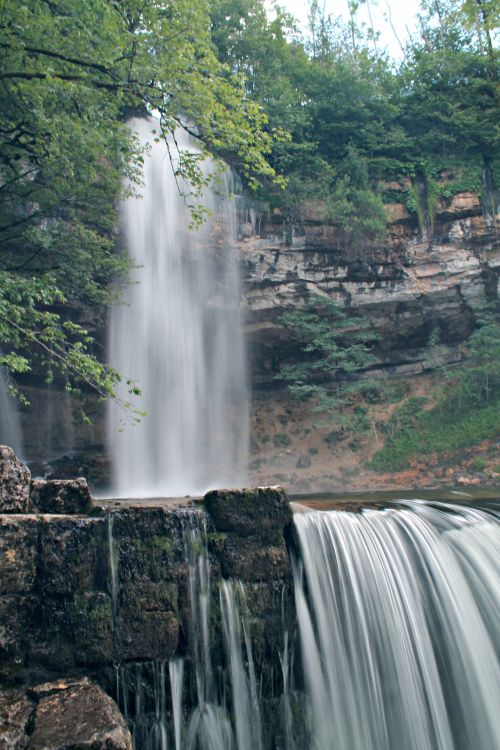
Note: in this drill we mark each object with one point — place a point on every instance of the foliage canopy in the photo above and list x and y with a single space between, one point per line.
71 73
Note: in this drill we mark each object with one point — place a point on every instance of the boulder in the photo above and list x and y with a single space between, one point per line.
14 483
67 496
263 512
16 710
77 715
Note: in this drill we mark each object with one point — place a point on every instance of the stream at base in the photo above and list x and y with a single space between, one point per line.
396 645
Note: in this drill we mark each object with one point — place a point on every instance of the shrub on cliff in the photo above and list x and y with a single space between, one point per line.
335 346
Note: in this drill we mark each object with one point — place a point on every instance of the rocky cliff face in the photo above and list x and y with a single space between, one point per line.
407 289
419 293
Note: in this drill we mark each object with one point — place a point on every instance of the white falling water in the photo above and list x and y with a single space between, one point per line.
178 337
398 617
226 717
10 421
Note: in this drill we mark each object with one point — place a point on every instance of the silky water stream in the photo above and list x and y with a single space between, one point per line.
177 336
396 645
197 703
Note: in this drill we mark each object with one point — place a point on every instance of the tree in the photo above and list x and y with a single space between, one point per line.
71 73
335 346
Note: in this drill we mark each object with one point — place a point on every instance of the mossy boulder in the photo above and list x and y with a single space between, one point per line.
264 512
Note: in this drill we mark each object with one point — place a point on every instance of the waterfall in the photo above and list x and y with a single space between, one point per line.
10 421
227 716
398 614
178 337
398 636
223 710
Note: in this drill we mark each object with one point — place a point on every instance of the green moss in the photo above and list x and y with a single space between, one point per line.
95 611
439 430
479 463
163 543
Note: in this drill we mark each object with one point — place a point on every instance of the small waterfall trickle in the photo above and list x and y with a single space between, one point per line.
246 710
397 611
178 338
191 705
176 673
113 566
227 715
10 421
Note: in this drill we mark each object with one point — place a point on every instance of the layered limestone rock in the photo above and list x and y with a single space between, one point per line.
408 289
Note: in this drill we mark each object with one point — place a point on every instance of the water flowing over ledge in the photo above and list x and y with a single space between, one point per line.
398 618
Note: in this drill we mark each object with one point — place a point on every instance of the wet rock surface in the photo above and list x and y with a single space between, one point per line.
252 525
82 594
86 592
14 483
262 512
66 496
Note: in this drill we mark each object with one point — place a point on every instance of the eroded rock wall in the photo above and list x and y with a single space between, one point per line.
409 288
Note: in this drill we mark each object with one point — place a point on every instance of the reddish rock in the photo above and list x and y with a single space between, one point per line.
77 715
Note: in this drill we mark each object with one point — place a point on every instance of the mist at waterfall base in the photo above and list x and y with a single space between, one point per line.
178 337
396 646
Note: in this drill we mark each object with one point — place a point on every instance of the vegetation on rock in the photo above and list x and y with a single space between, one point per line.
467 412
336 346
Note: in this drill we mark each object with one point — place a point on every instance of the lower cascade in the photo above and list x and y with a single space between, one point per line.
226 702
396 644
399 630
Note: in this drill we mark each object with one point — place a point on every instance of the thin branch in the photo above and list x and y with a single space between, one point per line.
18 75
66 365
72 60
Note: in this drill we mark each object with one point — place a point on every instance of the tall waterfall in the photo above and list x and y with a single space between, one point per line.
399 625
10 422
178 337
